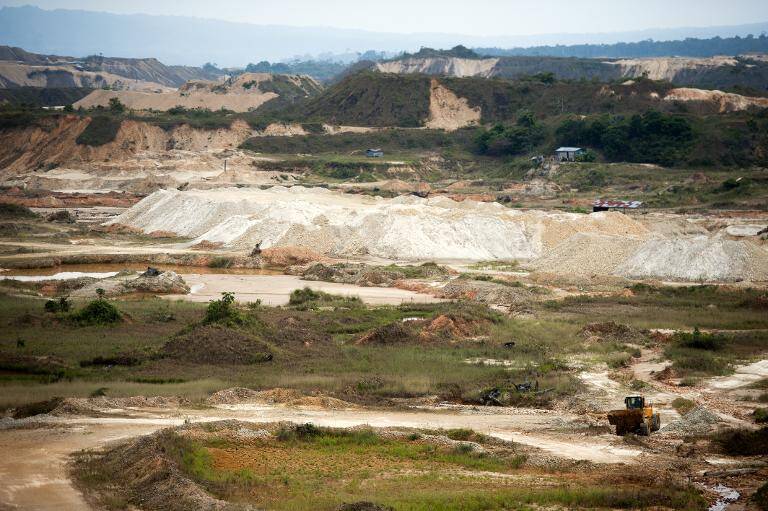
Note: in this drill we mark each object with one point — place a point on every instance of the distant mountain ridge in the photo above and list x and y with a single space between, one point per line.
19 68
193 41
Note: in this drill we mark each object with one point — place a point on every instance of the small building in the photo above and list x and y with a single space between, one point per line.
568 153
374 153
615 205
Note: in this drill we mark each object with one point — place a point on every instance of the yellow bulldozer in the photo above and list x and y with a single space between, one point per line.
638 417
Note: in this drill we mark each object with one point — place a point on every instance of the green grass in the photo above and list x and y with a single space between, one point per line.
328 469
683 405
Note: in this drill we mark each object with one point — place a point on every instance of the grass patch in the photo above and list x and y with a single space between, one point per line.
683 405
97 312
308 298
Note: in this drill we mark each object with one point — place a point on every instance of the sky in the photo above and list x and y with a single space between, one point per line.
470 17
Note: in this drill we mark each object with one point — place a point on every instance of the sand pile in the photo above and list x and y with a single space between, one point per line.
673 258
588 254
697 258
724 101
410 228
404 228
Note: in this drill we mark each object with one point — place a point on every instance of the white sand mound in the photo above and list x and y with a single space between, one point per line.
697 258
587 254
404 228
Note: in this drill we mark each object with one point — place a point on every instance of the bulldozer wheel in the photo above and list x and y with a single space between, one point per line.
644 431
620 430
656 425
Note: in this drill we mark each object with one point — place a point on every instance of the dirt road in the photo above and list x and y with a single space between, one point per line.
33 465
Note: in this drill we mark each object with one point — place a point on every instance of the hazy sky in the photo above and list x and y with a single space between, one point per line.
473 17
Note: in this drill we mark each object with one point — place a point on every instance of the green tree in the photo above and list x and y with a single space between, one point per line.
116 106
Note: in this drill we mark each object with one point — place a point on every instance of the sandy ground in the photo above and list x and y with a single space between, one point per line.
275 289
743 376
34 474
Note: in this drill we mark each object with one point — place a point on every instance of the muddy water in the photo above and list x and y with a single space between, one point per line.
276 289
33 466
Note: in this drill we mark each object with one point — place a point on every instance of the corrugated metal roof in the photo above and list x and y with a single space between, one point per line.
567 149
608 203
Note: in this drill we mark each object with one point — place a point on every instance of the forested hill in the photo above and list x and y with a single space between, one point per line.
683 48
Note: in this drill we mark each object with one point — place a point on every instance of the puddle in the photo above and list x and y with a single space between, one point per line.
276 289
727 496
116 267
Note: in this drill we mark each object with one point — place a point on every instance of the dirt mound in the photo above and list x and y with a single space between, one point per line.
167 282
611 331
448 327
486 292
451 327
277 396
231 396
212 344
358 274
145 473
397 332
448 111
289 256
96 405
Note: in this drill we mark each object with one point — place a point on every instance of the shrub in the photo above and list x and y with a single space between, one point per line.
506 140
308 297
760 415
220 262
61 305
700 341
8 210
223 311
97 312
299 432
116 106
743 442
760 498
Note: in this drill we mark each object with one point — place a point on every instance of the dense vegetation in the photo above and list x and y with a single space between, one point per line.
322 70
373 99
520 138
652 137
689 47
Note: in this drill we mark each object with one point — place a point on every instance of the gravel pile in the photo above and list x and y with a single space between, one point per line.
697 421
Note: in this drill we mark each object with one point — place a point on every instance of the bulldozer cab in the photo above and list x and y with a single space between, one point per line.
634 402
